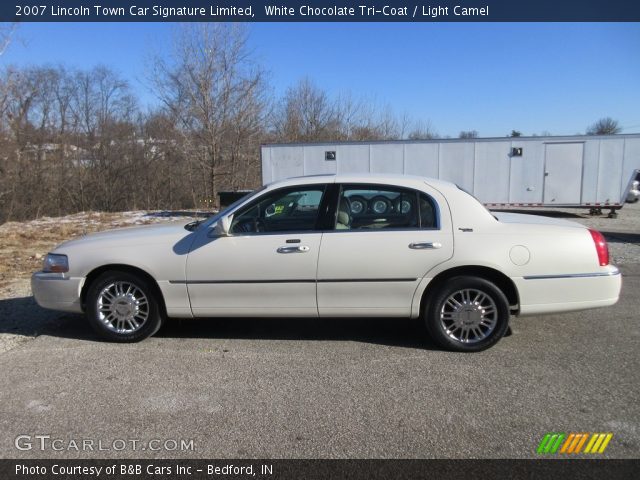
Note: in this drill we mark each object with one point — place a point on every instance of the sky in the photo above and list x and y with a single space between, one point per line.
488 77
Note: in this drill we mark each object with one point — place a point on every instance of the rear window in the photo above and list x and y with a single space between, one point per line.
384 207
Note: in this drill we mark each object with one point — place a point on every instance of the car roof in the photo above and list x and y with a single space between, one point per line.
383 178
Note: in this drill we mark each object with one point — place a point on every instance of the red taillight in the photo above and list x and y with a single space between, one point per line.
601 247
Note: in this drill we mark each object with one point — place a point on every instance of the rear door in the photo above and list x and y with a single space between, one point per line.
385 239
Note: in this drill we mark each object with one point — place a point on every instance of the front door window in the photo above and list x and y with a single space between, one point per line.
284 210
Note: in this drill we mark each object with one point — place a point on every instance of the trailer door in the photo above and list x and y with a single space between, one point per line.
563 173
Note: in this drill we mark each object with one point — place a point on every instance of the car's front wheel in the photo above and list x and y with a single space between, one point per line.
123 307
467 314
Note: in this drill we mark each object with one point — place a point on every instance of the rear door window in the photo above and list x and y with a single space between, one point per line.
378 207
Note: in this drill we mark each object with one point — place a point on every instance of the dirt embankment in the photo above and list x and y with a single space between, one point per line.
24 244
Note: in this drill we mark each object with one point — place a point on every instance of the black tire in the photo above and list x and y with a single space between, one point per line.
448 323
140 302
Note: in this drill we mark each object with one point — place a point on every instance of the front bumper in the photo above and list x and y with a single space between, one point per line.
57 291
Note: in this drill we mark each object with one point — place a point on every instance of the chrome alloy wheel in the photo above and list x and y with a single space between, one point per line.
123 307
469 316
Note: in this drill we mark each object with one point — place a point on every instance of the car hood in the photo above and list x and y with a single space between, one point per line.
521 218
147 234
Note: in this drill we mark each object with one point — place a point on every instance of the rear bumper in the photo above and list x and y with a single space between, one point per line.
57 292
567 293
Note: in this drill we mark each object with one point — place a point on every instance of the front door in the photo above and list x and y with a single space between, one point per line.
386 239
267 265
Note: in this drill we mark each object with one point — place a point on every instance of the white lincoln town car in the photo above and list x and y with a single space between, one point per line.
336 246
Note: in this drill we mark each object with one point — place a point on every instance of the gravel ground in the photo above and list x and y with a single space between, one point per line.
332 388
20 319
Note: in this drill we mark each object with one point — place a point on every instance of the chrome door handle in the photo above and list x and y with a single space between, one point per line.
296 249
425 245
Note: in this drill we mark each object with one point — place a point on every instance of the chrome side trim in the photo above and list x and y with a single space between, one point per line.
303 280
573 275
232 282
50 276
368 280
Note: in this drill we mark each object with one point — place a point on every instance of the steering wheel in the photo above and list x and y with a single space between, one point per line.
250 225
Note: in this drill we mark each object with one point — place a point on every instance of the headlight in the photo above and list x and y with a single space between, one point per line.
55 263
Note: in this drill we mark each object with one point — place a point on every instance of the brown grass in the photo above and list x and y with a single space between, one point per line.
24 244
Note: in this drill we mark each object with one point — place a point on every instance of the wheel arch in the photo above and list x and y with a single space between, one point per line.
118 267
499 279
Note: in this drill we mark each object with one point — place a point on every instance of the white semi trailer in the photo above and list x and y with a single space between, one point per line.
592 172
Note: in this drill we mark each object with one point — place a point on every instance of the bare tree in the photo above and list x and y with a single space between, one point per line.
76 139
307 114
468 134
103 111
68 142
217 95
6 33
604 126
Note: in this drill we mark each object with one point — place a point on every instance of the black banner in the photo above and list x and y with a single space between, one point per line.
319 11
318 469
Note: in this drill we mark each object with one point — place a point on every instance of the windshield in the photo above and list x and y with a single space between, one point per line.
215 217
221 213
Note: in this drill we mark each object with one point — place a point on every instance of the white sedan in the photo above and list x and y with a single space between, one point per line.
337 246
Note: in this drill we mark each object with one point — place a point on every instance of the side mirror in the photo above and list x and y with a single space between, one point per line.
222 227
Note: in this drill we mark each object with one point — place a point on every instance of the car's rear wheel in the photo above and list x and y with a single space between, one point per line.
467 314
123 307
